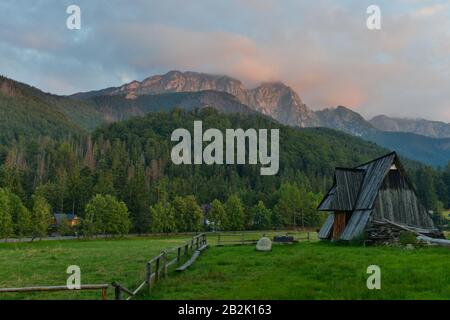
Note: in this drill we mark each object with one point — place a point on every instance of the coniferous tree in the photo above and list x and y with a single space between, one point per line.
104 184
288 206
6 219
157 212
194 214
40 216
426 188
138 199
21 216
261 216
180 214
235 213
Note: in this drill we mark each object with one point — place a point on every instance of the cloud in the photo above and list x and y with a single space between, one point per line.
176 48
431 10
322 49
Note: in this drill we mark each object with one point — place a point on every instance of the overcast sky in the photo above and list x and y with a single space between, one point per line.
321 48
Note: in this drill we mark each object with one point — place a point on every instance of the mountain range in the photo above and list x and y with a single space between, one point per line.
272 99
419 139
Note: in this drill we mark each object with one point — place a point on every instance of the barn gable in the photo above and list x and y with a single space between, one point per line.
344 193
376 190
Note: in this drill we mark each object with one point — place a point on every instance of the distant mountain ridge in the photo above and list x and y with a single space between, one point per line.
344 119
272 99
434 129
83 112
429 150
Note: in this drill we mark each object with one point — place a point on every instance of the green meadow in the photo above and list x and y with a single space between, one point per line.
306 270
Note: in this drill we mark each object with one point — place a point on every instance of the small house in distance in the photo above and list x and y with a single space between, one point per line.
71 219
376 198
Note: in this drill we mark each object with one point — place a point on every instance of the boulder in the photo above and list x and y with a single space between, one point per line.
264 244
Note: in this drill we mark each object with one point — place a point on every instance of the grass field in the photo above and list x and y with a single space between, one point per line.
312 271
101 261
302 271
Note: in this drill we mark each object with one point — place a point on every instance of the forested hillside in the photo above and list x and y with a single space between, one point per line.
28 112
121 107
130 160
428 150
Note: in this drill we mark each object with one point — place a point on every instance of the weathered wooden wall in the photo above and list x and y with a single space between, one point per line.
340 219
398 202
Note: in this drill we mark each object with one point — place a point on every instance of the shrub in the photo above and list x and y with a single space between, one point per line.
407 237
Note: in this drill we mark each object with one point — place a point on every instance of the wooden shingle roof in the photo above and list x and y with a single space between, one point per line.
357 188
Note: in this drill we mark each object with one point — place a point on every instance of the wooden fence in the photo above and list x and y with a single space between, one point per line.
158 267
102 287
242 238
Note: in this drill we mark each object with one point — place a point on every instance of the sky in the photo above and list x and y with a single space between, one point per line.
321 48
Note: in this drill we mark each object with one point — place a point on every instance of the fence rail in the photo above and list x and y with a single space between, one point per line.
243 238
102 287
157 267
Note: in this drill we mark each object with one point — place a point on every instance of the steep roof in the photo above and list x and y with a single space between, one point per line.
375 170
357 188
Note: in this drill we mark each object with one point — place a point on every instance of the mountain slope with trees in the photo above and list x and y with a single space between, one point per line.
29 113
128 163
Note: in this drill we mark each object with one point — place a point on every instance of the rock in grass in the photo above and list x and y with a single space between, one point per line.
264 244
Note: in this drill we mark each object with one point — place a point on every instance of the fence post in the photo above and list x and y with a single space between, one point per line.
218 239
149 275
164 263
308 237
103 293
197 240
186 248
179 254
118 293
242 238
157 269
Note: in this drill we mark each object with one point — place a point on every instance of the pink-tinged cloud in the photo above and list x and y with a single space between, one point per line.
320 48
176 48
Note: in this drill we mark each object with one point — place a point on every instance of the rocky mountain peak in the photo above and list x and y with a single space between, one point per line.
344 119
274 99
434 129
8 87
282 103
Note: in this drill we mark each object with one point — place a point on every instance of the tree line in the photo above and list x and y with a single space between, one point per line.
106 215
129 162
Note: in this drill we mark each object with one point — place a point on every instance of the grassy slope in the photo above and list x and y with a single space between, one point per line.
312 271
303 271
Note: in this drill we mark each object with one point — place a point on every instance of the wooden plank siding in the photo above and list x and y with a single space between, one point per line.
348 183
376 190
340 219
356 224
398 202
375 174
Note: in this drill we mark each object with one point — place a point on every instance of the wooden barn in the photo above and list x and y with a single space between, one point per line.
376 198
